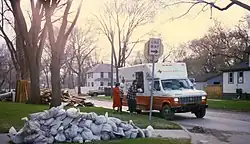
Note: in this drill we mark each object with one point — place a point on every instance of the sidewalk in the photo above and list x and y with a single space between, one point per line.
4 139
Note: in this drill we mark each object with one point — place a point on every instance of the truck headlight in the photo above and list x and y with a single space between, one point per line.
176 99
204 97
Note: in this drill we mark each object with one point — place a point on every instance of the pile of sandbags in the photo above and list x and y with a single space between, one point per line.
46 97
71 125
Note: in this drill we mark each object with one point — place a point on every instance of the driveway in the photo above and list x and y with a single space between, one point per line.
228 127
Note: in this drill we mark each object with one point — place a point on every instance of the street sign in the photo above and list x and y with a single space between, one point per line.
157 52
154 46
153 51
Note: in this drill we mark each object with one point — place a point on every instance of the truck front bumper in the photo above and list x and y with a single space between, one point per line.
189 108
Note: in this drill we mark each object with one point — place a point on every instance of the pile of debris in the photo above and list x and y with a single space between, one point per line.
46 97
71 125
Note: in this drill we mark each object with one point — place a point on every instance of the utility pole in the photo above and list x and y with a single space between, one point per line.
112 71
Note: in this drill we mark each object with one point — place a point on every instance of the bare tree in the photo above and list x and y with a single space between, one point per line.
58 44
119 22
205 5
218 49
30 40
82 43
13 40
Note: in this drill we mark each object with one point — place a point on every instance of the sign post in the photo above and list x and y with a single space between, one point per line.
153 51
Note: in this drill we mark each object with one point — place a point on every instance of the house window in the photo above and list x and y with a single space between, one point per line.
92 84
240 77
109 74
88 84
101 83
109 84
101 74
231 78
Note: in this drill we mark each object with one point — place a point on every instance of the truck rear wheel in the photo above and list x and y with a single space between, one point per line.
201 113
167 113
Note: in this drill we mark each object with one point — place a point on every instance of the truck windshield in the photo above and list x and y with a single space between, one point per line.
176 84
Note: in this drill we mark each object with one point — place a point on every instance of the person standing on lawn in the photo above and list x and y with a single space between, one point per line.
131 97
116 97
121 94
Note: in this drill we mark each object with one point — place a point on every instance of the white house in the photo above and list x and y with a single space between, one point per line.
99 76
236 77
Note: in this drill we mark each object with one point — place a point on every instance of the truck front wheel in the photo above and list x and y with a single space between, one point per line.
167 113
201 113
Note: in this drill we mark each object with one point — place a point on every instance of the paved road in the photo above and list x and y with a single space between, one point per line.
222 127
214 119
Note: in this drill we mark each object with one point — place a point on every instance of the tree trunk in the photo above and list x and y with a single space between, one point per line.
79 83
35 83
47 79
55 81
117 74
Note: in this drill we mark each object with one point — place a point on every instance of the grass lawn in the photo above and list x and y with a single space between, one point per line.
102 98
236 105
11 114
146 141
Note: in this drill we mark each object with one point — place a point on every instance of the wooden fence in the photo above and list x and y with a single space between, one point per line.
213 91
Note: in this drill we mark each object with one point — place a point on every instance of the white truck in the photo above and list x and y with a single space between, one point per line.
173 92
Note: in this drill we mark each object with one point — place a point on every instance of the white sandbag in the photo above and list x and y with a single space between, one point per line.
53 112
140 133
126 127
87 134
150 128
76 120
96 138
78 139
148 131
106 115
73 112
61 112
107 128
34 116
49 121
12 131
113 124
88 123
134 133
61 117
67 121
120 132
101 120
69 140
92 116
50 140
80 129
105 136
81 123
112 135
115 120
31 138
60 137
96 129
88 141
18 138
73 131
128 133
32 126
40 139
41 121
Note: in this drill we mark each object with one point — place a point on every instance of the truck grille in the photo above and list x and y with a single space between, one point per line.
190 100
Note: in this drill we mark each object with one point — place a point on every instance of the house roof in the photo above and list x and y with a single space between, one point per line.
100 68
240 67
205 77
